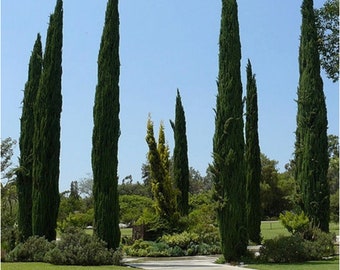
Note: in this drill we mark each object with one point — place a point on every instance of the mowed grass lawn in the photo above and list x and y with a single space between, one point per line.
46 266
317 265
271 229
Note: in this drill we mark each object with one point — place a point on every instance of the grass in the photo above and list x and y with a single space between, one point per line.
46 266
123 231
316 265
271 229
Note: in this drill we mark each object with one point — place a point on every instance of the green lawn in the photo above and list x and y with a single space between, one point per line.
46 266
317 265
270 229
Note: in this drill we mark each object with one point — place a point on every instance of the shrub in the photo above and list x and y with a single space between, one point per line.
293 222
294 248
283 249
319 245
33 250
182 240
78 248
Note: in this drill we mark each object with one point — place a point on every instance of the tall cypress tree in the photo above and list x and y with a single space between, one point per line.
252 160
311 154
228 142
24 174
106 132
46 145
180 166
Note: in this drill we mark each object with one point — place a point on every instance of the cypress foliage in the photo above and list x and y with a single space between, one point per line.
311 154
46 145
228 142
180 166
24 174
161 186
252 160
106 132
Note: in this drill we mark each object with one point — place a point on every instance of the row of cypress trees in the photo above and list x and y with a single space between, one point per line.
38 173
39 143
236 192
172 197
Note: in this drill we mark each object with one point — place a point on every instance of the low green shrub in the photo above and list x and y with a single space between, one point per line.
182 244
182 240
283 249
295 248
78 248
319 245
33 250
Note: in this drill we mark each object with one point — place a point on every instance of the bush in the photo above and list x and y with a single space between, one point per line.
283 249
319 245
78 248
182 240
293 222
33 250
289 249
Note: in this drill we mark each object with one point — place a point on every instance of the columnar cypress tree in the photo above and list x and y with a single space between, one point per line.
24 174
46 145
311 154
180 166
252 160
106 132
228 142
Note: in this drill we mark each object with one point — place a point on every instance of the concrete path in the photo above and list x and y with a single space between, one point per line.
180 263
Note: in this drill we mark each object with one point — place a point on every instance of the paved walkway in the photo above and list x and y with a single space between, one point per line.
180 263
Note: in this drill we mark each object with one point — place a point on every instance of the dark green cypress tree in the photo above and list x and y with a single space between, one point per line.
252 160
311 154
24 174
106 132
228 143
181 166
46 145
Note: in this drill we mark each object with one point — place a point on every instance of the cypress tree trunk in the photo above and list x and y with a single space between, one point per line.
252 160
311 154
46 146
181 167
24 174
228 142
106 132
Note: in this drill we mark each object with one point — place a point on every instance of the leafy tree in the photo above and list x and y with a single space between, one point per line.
129 188
46 139
228 142
106 132
311 148
180 164
24 173
6 158
327 22
132 207
199 183
275 189
252 160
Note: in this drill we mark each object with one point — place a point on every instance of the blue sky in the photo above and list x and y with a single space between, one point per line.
164 45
